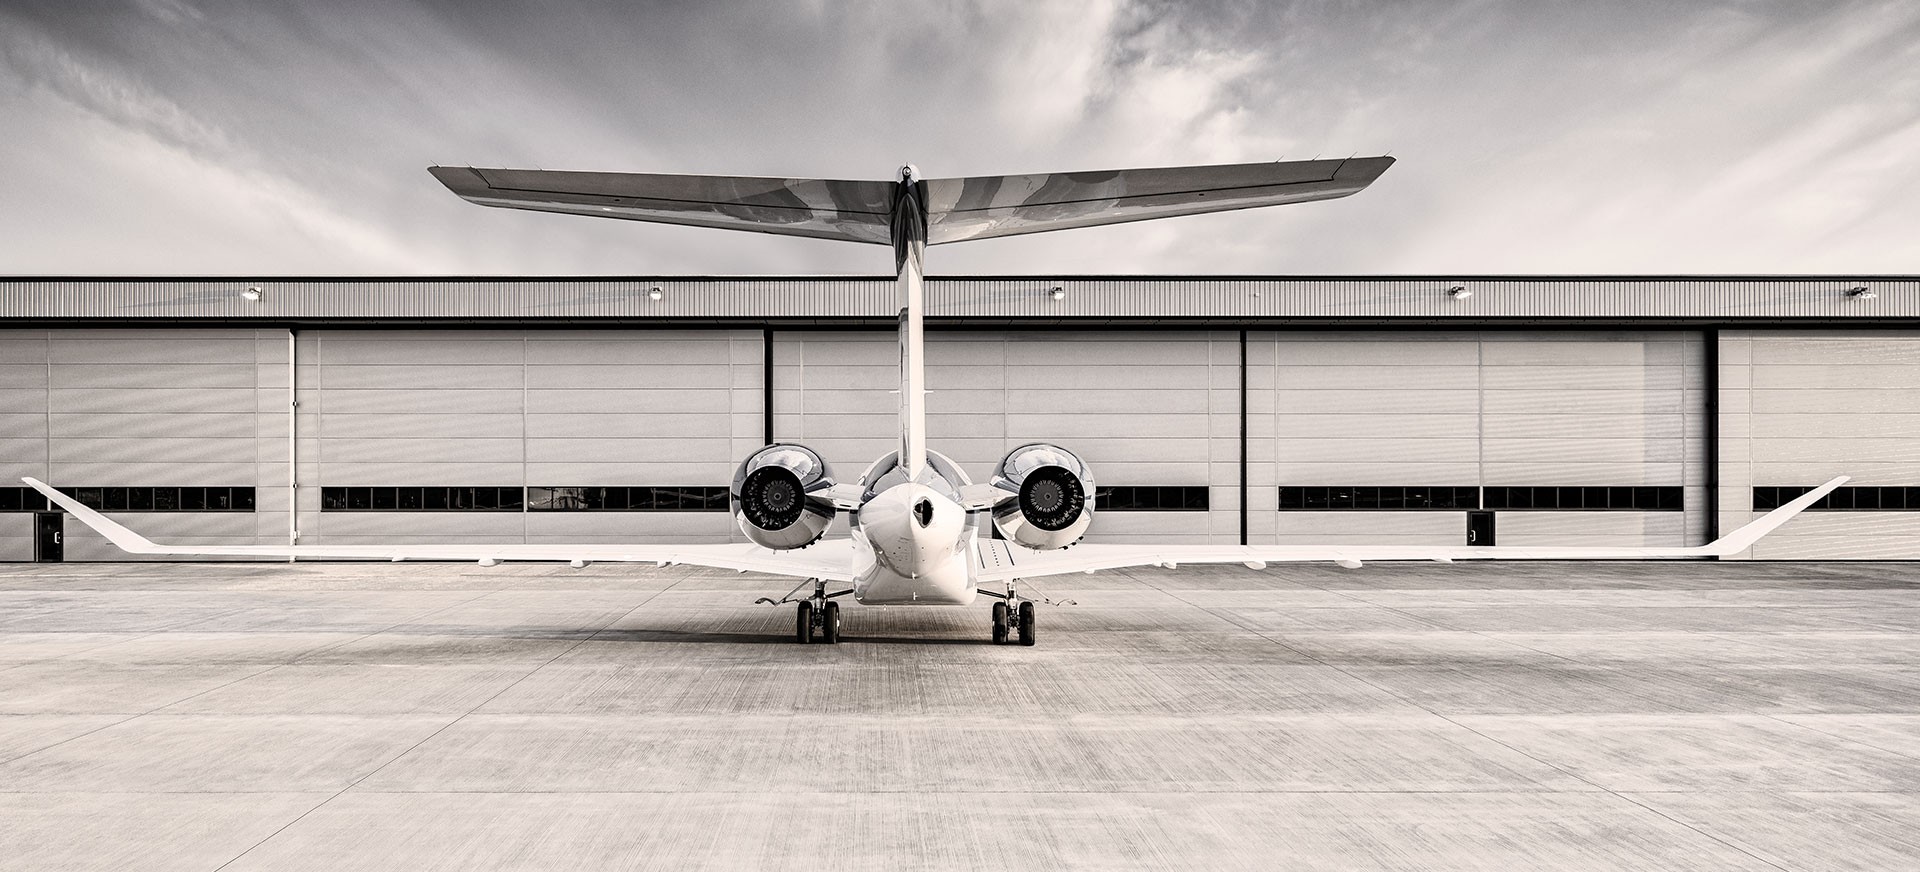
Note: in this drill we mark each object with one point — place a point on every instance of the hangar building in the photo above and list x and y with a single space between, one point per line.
1519 409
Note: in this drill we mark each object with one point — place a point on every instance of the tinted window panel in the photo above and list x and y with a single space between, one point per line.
390 499
124 499
1370 498
1865 498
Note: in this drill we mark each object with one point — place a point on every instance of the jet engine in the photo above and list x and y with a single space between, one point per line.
779 497
1047 500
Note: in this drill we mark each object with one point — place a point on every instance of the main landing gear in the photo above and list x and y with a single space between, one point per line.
1012 615
820 614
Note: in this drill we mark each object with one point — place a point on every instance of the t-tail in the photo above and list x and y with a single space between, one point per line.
911 213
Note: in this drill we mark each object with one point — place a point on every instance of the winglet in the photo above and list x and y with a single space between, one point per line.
1743 538
127 539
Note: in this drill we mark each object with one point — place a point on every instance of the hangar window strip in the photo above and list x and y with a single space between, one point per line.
1506 498
135 499
627 499
1863 498
420 499
1150 499
1637 498
1377 499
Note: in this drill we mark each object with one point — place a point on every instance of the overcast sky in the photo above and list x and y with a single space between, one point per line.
213 137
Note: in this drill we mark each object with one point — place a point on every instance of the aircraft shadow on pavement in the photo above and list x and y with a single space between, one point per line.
709 636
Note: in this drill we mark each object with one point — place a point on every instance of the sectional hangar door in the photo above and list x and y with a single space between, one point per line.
1358 418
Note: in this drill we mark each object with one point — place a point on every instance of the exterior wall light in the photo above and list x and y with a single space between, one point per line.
1861 293
251 294
1459 292
1058 294
654 294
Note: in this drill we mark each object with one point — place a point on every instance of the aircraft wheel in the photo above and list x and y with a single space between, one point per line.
803 623
1026 623
830 623
999 623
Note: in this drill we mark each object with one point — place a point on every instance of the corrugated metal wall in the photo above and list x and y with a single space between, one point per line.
145 408
1799 408
513 408
1141 409
1473 409
208 406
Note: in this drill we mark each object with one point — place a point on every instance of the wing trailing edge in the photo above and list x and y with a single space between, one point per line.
832 561
1020 563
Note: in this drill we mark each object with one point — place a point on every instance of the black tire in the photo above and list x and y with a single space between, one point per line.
1000 623
803 624
1026 623
830 623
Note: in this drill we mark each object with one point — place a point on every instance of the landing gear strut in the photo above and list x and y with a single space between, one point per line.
1013 615
818 612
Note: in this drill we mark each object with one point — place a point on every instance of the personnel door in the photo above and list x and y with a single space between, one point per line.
1479 528
49 544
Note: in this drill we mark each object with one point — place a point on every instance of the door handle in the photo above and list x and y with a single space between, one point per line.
56 537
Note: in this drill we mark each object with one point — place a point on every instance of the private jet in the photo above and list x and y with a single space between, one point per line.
920 531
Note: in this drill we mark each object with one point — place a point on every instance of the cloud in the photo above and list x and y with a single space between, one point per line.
215 136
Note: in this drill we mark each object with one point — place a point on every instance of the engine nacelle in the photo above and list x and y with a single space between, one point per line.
779 497
1048 497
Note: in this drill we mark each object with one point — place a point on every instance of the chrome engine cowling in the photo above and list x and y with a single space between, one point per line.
1047 500
779 497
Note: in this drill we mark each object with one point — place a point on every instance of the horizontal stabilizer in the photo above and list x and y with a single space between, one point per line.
854 211
978 207
983 207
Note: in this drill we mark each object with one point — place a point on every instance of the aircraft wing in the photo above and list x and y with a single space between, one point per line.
1007 561
829 561
983 207
852 211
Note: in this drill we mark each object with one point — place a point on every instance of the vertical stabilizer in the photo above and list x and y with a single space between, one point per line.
909 230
